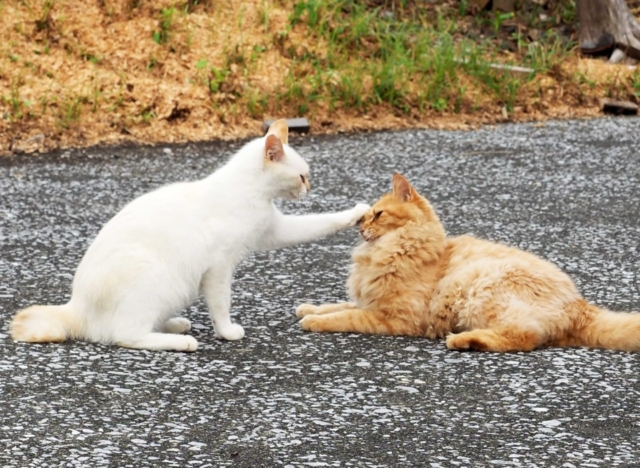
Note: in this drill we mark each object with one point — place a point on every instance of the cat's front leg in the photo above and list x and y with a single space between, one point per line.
216 287
309 309
291 230
354 320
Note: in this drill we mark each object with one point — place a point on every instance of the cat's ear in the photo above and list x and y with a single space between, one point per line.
280 129
273 149
402 189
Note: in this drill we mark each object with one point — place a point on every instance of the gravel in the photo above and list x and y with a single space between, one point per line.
567 191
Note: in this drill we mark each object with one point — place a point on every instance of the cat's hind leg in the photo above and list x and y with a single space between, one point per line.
161 342
359 321
309 309
177 325
500 340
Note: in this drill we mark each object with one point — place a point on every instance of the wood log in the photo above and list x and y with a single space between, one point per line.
606 25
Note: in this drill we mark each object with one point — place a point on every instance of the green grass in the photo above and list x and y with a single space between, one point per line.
409 58
373 58
162 36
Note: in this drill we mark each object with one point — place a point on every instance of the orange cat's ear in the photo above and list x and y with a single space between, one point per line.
402 189
273 149
280 129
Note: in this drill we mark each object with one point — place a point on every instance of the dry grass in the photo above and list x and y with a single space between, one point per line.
106 71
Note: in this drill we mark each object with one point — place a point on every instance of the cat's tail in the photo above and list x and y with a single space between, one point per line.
601 328
44 324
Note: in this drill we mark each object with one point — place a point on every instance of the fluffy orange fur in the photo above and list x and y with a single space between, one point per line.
408 278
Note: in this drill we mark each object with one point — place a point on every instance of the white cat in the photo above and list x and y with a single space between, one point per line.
165 247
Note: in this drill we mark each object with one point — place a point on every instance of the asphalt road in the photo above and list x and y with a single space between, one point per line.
567 191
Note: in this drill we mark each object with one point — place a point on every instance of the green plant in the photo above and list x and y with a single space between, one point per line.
635 83
90 57
70 111
263 15
568 11
497 19
15 101
189 5
147 115
216 79
463 8
43 20
166 21
95 95
202 63
257 103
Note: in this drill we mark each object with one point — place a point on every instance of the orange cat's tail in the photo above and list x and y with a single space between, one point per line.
602 328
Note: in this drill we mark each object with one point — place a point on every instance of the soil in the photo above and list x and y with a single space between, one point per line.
76 74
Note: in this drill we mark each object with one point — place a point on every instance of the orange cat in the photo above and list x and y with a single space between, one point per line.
408 278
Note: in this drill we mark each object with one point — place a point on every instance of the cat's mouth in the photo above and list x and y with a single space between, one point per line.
300 194
368 235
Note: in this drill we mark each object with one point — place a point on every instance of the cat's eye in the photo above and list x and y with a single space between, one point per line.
377 215
302 178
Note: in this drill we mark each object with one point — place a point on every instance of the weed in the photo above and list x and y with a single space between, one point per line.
202 63
216 79
166 21
568 11
189 5
635 83
463 8
581 79
147 115
15 101
257 103
70 112
95 95
263 15
90 58
43 20
497 20
547 54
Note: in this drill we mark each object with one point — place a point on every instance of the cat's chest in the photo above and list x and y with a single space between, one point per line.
238 230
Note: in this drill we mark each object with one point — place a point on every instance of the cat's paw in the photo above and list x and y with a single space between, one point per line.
453 342
177 325
190 343
311 323
358 212
306 309
231 332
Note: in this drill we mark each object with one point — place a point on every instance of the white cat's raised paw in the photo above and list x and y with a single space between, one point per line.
231 332
358 212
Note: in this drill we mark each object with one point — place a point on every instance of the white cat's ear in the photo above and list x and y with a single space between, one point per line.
280 129
273 149
402 189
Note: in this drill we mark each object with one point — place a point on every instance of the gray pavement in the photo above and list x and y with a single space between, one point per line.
567 191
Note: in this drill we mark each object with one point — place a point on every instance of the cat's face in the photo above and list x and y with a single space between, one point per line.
395 210
289 171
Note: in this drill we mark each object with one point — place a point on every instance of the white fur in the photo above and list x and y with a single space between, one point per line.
168 246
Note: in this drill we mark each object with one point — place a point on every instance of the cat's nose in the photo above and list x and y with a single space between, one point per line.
308 185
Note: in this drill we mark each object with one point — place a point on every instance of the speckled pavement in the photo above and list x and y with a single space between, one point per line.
568 191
